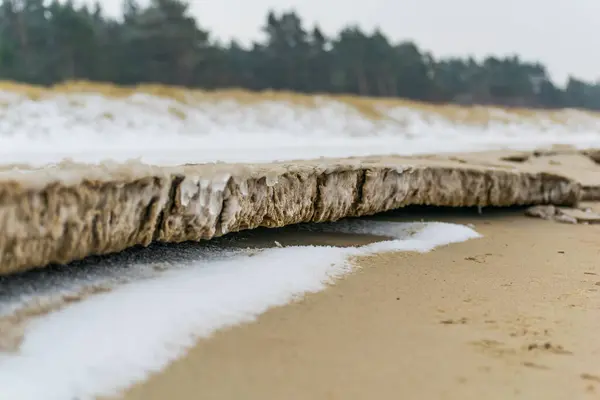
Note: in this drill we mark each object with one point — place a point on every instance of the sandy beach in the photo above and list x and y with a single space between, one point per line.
231 246
514 314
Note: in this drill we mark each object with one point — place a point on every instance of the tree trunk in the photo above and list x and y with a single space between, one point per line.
381 86
363 85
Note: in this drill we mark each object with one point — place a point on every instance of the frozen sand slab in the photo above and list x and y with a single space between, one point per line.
70 211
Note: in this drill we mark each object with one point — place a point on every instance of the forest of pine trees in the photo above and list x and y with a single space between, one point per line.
46 42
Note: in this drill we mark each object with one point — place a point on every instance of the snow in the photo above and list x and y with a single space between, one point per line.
93 128
105 344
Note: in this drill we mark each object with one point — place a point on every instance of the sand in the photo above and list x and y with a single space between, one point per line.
515 314
71 211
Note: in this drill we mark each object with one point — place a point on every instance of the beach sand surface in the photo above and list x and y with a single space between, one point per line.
515 314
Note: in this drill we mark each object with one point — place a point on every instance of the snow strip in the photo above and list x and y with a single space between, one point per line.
93 128
109 342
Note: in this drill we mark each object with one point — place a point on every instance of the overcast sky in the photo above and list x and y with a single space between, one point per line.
563 34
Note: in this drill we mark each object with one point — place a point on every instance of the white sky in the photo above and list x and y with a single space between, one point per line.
559 33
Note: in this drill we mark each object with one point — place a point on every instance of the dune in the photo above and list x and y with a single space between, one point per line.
162 125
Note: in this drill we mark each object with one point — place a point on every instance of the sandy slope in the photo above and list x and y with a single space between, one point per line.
512 315
166 126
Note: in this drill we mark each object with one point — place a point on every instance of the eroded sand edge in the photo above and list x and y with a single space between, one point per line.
70 211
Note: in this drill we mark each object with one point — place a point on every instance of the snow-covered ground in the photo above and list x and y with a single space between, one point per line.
108 342
92 127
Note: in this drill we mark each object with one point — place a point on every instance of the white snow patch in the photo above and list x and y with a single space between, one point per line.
110 341
91 128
